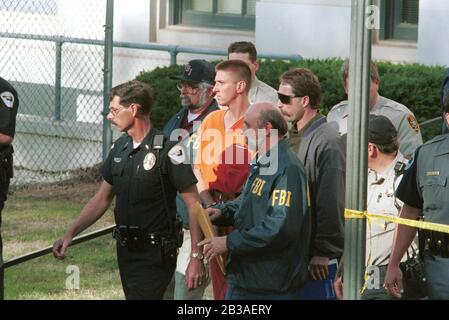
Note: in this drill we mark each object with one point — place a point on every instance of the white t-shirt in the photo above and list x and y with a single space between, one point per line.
136 144
192 116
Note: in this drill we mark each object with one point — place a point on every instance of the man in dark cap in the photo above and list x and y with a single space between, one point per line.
197 98
385 168
197 101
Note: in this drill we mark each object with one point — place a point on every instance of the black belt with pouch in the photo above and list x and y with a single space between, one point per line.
135 239
437 243
413 276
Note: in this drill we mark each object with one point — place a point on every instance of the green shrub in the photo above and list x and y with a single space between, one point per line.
413 85
166 102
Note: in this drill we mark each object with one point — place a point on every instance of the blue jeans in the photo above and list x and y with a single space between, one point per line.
320 289
437 275
235 293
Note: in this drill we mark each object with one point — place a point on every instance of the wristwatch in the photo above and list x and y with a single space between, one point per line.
211 205
197 255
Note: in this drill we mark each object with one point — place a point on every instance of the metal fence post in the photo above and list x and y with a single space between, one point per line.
57 110
357 141
173 56
107 73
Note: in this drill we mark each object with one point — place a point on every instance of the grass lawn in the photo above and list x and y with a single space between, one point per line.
35 218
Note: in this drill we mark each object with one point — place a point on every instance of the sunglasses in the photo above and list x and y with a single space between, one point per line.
284 99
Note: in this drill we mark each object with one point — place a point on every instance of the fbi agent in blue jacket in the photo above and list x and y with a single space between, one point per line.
268 250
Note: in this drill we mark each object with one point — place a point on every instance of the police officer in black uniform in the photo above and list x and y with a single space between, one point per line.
9 103
424 190
144 172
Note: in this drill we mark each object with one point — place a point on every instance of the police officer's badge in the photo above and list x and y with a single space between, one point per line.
149 161
413 123
7 98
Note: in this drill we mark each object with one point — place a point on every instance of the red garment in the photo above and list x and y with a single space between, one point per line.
223 159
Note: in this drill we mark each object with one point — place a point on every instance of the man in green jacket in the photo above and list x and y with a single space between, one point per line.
320 148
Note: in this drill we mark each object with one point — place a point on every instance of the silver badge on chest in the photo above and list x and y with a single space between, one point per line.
149 161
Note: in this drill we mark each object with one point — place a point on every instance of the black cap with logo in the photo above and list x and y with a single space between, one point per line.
197 71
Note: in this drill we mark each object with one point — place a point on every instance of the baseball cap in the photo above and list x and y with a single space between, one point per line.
381 130
197 71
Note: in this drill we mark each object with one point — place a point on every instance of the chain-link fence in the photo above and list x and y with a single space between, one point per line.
130 62
52 52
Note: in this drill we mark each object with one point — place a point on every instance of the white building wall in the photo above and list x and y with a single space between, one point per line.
433 34
131 21
313 29
321 29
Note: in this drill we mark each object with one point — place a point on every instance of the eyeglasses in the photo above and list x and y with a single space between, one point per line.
189 88
285 99
115 112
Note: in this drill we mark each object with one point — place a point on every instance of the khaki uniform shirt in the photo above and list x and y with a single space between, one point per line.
262 92
402 118
381 200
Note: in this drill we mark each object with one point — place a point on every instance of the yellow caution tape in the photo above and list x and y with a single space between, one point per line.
368 261
356 214
425 225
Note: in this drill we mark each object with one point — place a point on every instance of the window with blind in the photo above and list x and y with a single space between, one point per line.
232 14
399 20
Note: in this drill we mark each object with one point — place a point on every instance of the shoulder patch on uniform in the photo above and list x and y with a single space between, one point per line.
177 154
413 122
7 98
